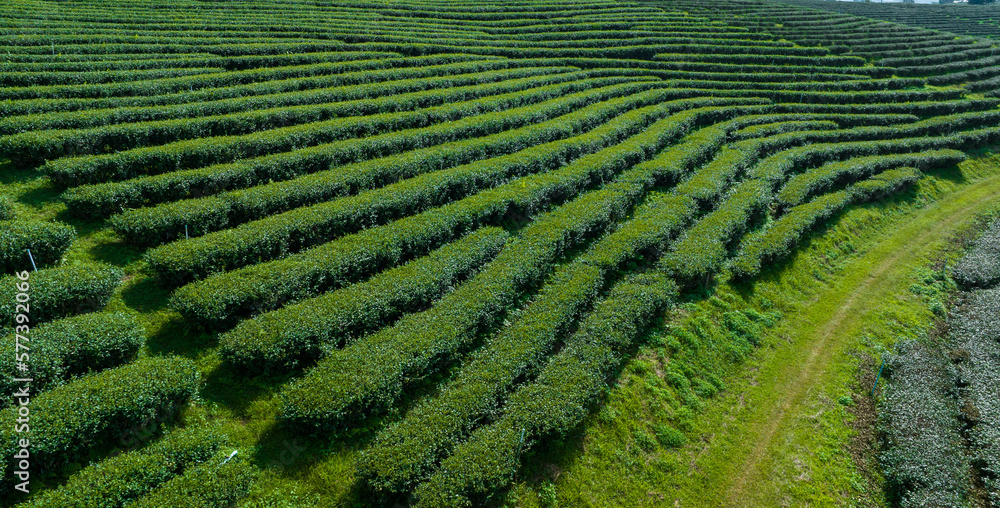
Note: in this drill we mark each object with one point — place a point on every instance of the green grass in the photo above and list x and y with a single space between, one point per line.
776 436
698 383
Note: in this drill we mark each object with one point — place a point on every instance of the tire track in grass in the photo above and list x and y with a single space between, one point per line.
911 240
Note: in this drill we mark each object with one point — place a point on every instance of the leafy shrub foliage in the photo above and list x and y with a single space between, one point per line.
117 401
70 347
46 240
60 292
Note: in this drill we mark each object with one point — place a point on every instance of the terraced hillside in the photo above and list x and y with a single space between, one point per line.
962 19
370 253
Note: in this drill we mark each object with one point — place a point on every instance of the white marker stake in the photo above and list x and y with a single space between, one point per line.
231 455
32 258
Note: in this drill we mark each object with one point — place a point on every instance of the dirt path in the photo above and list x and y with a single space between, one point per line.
912 238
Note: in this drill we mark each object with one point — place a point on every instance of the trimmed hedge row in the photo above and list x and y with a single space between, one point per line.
940 125
407 68
225 297
755 57
47 78
405 453
947 68
770 129
556 401
6 208
424 174
704 247
963 77
285 338
222 78
966 55
150 61
921 108
355 93
802 186
71 347
47 241
857 85
216 483
780 237
63 429
777 167
368 376
37 146
290 231
120 480
206 151
102 199
60 292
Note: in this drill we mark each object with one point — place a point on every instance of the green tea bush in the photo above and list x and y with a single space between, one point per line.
70 347
216 483
62 429
556 401
285 338
60 292
47 241
6 208
120 480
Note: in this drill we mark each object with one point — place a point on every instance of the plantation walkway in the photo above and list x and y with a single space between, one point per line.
816 344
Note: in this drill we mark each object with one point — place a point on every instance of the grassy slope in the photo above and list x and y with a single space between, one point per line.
773 437
777 436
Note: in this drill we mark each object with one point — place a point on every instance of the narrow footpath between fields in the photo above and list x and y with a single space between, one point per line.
739 465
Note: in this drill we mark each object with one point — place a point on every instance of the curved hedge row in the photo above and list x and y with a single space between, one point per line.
379 84
70 347
46 240
777 239
216 483
556 401
222 298
46 78
96 200
164 86
37 146
185 154
63 430
290 231
60 292
412 172
398 69
282 339
120 480
802 186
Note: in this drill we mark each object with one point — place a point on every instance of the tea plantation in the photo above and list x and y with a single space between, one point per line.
361 253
